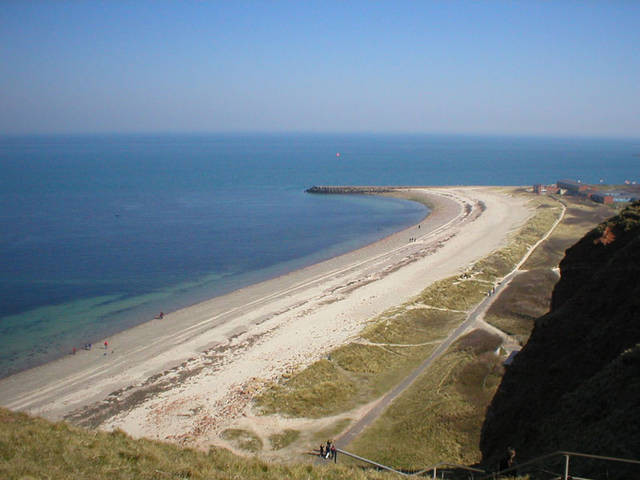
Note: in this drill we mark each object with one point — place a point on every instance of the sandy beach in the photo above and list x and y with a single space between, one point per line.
186 377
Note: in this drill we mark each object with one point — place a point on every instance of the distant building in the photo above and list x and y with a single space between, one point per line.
572 187
602 198
540 189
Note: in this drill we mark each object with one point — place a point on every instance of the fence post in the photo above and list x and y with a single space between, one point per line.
566 468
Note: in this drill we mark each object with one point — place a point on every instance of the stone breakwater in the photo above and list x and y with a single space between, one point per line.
353 189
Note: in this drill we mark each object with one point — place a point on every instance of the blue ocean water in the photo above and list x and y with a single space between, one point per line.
99 233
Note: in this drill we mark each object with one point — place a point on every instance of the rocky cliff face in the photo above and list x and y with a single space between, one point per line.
576 384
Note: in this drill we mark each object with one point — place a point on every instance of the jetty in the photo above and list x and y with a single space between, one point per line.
341 189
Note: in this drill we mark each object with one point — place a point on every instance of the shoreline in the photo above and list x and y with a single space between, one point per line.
209 354
130 317
260 287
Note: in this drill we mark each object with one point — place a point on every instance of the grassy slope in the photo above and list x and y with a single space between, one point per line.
575 384
32 448
440 416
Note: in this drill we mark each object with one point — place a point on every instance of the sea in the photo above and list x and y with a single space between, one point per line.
98 233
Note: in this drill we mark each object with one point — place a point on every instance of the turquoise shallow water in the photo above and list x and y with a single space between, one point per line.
99 233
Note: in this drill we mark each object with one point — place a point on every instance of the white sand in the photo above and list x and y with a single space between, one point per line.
186 377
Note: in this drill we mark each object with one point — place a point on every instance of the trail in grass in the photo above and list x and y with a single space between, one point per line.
374 344
474 316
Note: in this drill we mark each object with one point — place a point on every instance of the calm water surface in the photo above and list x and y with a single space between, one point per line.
99 233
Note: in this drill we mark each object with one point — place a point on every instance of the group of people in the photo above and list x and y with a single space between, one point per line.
329 451
87 346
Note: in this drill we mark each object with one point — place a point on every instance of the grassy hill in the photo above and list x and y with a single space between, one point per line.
32 448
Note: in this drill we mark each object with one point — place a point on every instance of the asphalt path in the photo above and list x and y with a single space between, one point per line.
472 317
384 402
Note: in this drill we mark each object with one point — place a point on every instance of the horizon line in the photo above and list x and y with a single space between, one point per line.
320 133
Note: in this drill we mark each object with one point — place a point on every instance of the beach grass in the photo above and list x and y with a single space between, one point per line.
581 216
318 390
33 448
440 416
283 439
329 432
353 375
528 296
242 439
502 261
454 293
412 325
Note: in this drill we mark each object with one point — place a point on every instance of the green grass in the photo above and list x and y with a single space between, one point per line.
355 375
454 294
243 439
358 358
283 439
440 416
318 390
412 326
580 218
528 296
328 433
32 448
502 261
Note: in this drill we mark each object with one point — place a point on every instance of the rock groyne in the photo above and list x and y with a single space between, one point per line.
350 189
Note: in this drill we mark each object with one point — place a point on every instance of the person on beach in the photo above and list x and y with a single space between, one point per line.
73 351
106 344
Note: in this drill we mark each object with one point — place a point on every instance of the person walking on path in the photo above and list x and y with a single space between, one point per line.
334 454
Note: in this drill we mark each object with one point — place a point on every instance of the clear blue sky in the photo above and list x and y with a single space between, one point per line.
517 67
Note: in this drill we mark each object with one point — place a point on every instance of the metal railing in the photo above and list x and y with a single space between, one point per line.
563 456
371 462
434 469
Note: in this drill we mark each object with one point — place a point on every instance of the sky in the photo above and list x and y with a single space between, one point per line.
468 67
